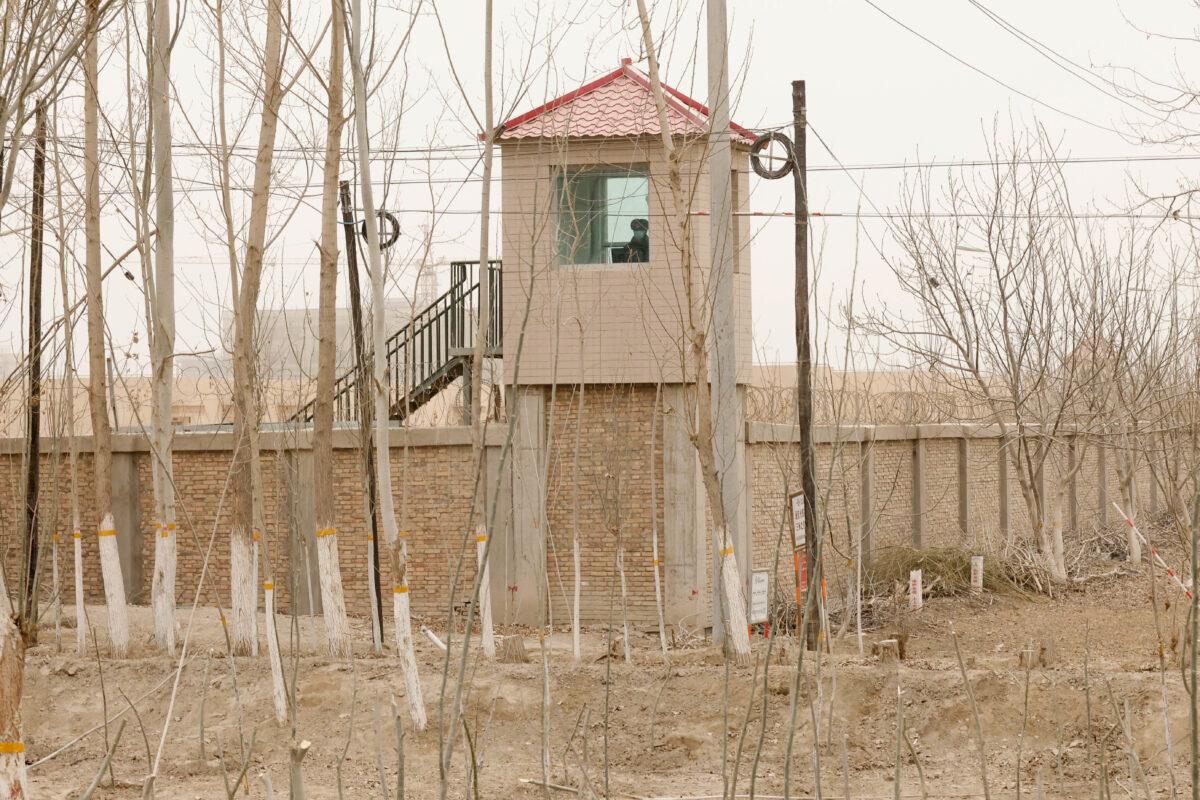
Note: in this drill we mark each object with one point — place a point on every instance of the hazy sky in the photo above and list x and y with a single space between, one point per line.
877 94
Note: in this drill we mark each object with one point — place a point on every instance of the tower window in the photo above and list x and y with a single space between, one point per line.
604 215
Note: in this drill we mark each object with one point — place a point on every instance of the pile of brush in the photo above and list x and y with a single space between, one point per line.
946 572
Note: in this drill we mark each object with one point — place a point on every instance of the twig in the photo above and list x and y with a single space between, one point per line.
962 668
104 765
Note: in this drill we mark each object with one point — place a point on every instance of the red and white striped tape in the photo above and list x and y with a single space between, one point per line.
1154 552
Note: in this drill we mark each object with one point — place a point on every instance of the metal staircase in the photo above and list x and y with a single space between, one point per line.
430 352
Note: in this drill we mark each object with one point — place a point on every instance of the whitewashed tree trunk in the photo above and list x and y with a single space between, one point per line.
13 782
485 594
333 602
735 602
114 587
408 659
387 513
278 687
242 594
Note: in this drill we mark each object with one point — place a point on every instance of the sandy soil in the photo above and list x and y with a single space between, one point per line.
665 725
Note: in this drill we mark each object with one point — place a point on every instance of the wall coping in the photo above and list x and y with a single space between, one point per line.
273 437
785 432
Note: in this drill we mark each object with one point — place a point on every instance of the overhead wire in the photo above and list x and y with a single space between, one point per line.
993 78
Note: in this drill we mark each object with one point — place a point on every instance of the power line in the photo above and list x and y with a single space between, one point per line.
1067 65
990 76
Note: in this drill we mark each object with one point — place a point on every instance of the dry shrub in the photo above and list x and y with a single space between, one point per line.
946 571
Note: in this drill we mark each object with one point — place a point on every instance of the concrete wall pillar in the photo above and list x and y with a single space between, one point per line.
502 557
964 485
525 550
1073 487
1101 484
918 490
866 494
683 546
128 522
303 566
1002 486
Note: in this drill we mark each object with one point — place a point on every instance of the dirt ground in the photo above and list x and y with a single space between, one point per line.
663 732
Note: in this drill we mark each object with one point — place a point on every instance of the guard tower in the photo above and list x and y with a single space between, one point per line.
596 303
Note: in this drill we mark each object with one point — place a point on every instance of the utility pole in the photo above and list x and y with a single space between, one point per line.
28 616
804 403
724 360
364 412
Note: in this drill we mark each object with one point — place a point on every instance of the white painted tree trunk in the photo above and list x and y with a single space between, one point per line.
114 587
13 782
163 589
333 603
80 612
243 596
624 605
735 602
408 658
255 544
485 595
278 687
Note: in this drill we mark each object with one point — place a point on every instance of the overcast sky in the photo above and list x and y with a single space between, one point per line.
877 94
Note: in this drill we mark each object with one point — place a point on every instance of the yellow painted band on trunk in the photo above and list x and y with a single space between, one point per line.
327 532
400 590
77 535
106 532
402 534
12 747
370 537
268 586
481 537
726 551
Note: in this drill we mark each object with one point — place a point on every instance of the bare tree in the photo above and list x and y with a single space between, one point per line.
397 546
333 604
110 564
243 592
163 339
1008 292
694 354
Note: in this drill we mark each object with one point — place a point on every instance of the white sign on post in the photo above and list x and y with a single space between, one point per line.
915 600
760 583
977 574
798 530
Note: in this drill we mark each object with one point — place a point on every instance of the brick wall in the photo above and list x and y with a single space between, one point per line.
608 495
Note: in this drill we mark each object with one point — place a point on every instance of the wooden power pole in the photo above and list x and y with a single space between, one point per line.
804 402
29 600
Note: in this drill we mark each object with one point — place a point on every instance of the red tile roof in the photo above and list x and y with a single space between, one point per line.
618 104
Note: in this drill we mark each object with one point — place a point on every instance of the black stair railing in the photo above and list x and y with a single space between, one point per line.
425 354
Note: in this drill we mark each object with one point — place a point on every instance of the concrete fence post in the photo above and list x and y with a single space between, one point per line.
1101 485
866 495
1002 485
964 485
918 488
1073 488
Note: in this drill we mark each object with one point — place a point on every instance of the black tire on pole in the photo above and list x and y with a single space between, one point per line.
762 143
